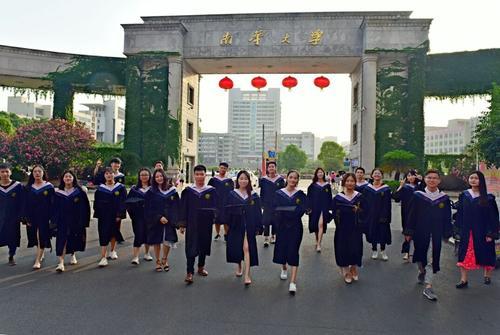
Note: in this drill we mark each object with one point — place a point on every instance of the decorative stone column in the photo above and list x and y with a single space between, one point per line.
368 111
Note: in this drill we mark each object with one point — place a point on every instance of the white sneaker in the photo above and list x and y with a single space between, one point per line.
113 255
384 256
135 261
37 266
292 288
103 262
374 254
73 260
147 257
60 267
406 256
284 275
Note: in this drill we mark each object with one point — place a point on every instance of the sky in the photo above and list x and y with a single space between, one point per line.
93 27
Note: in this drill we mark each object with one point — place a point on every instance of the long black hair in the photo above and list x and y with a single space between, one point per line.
249 186
483 192
315 178
61 180
31 179
167 182
139 182
411 172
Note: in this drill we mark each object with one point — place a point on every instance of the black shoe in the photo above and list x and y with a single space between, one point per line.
462 284
217 237
421 278
487 280
225 237
12 262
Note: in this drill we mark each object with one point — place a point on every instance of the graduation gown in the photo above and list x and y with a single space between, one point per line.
99 178
222 187
319 197
403 196
482 222
429 220
348 240
161 204
135 207
361 186
11 213
71 216
244 217
109 204
288 209
197 214
38 212
377 216
268 188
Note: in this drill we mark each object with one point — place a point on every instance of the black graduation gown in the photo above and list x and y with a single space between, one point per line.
38 212
198 210
361 187
319 198
222 187
71 216
348 240
120 178
244 217
11 213
160 204
268 188
289 230
109 204
135 208
429 218
377 216
404 195
482 221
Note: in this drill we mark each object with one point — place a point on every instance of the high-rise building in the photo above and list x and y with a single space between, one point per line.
305 141
110 121
20 106
214 148
87 118
248 112
452 139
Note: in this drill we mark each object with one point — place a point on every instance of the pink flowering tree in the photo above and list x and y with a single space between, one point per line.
4 146
56 144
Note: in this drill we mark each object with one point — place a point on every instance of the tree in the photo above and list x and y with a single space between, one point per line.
292 158
487 134
56 144
332 155
15 120
398 160
6 125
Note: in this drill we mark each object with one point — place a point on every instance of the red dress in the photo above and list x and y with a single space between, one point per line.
469 262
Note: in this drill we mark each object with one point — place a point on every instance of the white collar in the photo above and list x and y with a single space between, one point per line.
272 179
290 194
364 182
345 196
110 188
221 178
377 188
321 184
118 174
8 189
242 195
472 194
45 183
168 191
199 190
66 193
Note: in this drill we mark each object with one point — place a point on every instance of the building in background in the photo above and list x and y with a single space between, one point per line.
305 141
452 139
214 148
88 119
110 121
248 112
21 106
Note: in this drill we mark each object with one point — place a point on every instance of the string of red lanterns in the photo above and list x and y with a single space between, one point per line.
289 82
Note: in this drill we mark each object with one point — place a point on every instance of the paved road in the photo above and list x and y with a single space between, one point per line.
126 299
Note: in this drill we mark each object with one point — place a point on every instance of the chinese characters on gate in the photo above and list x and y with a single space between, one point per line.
257 36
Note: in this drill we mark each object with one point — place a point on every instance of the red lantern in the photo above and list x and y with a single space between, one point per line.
322 82
290 82
226 83
259 82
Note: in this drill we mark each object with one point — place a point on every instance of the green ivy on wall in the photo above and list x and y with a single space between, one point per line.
459 74
151 132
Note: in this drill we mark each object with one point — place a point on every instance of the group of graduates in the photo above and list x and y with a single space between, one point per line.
158 214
